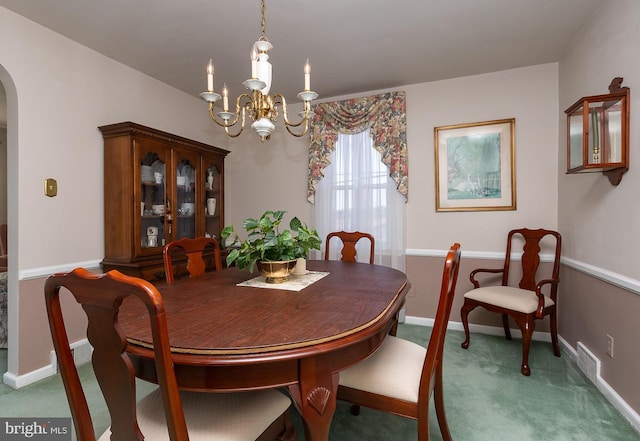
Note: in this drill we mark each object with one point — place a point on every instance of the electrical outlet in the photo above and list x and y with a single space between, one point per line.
609 346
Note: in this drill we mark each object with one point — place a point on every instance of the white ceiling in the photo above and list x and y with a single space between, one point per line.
353 45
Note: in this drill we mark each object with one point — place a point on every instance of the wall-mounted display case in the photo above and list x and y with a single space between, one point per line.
598 133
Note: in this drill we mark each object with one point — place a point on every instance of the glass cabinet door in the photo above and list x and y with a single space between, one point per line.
186 209
153 197
212 184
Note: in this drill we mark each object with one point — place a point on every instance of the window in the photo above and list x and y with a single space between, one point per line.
357 194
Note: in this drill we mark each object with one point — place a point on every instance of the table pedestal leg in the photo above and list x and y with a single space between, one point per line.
315 399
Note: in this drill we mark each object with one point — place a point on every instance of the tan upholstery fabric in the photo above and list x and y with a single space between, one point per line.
238 416
394 370
516 299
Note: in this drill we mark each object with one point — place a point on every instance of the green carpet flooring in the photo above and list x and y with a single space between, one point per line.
486 398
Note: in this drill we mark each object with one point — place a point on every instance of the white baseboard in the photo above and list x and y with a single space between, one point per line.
605 389
81 353
18 381
480 329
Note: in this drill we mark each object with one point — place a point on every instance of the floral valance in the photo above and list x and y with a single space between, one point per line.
385 117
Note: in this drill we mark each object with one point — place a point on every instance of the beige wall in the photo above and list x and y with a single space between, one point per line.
256 171
58 93
599 222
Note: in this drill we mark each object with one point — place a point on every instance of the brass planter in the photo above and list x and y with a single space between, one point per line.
276 271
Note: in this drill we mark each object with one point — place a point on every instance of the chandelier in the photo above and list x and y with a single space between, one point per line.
258 104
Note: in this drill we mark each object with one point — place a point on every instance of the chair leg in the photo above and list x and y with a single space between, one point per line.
554 334
438 396
290 430
527 326
464 315
423 422
355 409
505 325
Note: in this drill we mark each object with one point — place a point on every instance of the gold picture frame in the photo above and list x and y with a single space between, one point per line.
475 166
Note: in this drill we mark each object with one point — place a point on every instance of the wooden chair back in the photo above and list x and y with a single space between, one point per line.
531 258
193 249
349 241
433 360
101 297
382 381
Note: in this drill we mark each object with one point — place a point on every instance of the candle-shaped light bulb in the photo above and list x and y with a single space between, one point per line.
210 76
225 97
254 62
307 76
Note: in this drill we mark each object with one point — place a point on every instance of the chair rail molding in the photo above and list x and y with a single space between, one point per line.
619 280
605 275
485 255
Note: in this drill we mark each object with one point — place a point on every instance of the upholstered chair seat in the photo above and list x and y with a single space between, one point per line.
213 416
515 299
395 370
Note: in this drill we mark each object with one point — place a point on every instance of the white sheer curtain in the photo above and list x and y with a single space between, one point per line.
357 194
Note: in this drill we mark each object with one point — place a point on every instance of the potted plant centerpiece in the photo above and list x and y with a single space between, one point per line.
274 251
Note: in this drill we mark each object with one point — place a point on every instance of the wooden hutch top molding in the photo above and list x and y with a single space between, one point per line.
135 129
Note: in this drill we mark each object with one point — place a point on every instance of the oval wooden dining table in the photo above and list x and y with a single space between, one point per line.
226 337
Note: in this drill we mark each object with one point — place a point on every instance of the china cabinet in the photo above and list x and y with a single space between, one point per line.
158 187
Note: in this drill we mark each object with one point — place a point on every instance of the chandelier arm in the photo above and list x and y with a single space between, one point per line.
304 132
225 123
248 106
281 100
213 116
228 132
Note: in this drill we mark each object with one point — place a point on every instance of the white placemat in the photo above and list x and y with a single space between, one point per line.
295 283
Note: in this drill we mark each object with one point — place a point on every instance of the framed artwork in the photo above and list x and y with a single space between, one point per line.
475 166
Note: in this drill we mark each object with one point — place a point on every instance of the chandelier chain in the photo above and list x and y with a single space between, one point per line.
263 23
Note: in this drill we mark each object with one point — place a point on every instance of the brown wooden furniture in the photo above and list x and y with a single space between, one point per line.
226 337
401 376
257 415
598 133
156 187
193 250
349 241
525 303
4 248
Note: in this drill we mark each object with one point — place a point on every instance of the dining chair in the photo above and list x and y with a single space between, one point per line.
166 413
400 376
525 303
193 249
349 241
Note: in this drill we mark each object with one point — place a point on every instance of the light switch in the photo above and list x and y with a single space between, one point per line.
50 187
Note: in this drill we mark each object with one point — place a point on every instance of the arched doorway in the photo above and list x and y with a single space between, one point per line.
9 177
3 220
